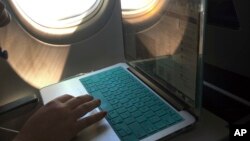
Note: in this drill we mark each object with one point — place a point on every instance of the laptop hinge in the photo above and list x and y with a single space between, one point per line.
156 88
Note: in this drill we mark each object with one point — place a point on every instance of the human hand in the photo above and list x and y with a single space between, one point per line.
59 120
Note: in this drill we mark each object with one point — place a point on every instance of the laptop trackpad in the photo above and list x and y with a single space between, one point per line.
97 132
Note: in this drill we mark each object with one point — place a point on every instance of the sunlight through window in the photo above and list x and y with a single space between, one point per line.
60 22
58 13
134 7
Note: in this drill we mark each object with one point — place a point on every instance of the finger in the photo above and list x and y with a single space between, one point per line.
86 107
75 102
85 122
64 98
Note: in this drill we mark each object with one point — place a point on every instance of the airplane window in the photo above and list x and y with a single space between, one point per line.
141 14
60 22
57 13
135 7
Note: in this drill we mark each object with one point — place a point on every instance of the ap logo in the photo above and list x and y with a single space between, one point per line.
240 132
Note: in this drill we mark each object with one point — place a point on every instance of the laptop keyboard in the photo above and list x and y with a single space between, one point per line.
134 111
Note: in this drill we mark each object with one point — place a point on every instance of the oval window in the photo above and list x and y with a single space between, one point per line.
137 7
139 15
62 21
57 13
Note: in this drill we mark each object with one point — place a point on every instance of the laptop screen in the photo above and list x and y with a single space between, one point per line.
165 43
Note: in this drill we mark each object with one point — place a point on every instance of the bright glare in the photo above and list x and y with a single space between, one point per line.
57 13
136 6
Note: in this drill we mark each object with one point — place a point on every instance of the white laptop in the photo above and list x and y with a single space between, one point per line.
157 92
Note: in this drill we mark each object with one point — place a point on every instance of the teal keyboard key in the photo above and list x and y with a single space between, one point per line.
140 119
122 126
138 113
149 127
125 115
155 108
154 119
129 120
134 111
137 130
160 124
144 109
130 137
112 114
116 120
139 104
122 133
121 110
160 112
149 114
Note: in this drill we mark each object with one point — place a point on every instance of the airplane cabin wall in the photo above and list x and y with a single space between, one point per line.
41 64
